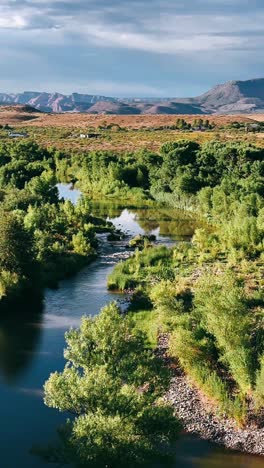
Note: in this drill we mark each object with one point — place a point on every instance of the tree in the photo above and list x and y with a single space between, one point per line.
113 387
16 246
44 187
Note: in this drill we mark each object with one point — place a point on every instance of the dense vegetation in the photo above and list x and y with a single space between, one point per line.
175 175
214 313
208 294
113 387
42 238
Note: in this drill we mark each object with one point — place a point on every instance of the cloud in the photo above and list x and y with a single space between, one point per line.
162 27
121 46
125 23
101 35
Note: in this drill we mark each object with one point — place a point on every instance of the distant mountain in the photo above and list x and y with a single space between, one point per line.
54 102
233 97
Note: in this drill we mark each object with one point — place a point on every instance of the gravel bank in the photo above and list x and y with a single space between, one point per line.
197 418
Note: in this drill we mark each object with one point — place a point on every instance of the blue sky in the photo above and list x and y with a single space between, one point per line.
129 47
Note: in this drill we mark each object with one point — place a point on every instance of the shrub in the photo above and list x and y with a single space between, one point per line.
112 385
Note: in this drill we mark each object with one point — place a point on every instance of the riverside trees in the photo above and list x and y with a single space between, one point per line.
213 312
222 181
18 265
113 387
216 323
42 238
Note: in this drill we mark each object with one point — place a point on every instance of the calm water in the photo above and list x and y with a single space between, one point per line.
32 342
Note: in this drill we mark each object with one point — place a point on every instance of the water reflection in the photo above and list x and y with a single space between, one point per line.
165 224
19 337
67 192
170 223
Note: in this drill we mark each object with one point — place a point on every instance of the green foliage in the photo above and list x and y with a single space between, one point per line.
149 322
15 246
217 330
81 245
140 241
222 306
224 181
150 263
195 358
38 232
113 386
9 284
20 162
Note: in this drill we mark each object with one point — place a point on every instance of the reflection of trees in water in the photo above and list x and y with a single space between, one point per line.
104 210
171 223
174 223
114 209
20 332
147 220
180 228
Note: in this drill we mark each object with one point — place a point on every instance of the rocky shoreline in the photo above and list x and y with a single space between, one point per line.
198 418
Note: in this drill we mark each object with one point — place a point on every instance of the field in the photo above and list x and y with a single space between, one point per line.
120 132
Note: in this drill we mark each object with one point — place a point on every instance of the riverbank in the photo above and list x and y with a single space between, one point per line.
197 415
32 343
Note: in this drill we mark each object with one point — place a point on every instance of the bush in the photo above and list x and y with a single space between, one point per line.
221 303
112 385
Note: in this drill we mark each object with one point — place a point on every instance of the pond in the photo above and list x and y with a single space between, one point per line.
32 342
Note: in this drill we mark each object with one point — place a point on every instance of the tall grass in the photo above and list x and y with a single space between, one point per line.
151 264
198 365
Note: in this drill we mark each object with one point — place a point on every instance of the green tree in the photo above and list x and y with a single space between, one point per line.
16 246
113 386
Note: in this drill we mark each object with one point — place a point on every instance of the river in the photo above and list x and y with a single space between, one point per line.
32 342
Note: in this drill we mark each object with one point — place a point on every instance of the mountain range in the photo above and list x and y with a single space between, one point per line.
233 97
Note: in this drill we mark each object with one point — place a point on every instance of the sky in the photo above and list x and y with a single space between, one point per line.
129 48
